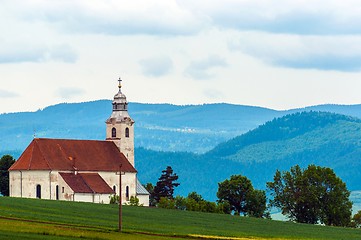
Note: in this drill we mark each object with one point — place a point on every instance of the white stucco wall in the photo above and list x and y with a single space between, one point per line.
143 200
82 197
48 180
128 179
24 183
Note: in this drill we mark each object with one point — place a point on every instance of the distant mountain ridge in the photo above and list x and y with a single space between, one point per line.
161 127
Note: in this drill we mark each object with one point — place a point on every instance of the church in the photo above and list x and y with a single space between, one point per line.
82 170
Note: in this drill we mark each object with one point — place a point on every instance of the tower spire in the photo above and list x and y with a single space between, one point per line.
120 128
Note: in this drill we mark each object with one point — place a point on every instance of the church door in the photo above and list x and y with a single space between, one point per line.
38 191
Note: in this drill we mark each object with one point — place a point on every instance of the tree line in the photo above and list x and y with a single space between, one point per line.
315 195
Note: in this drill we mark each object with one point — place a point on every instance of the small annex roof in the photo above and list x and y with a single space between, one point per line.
141 189
86 183
70 155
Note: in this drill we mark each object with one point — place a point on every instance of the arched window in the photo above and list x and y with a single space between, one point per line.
127 193
115 189
38 191
114 132
127 132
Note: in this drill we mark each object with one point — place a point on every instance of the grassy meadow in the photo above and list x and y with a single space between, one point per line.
44 219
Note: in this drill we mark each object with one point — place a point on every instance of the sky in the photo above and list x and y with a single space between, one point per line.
278 54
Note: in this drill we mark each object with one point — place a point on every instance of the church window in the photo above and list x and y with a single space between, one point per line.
57 192
62 189
115 189
114 132
127 193
127 132
38 191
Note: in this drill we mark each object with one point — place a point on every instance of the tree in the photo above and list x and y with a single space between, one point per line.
193 202
257 204
195 196
356 220
5 163
314 195
242 198
165 185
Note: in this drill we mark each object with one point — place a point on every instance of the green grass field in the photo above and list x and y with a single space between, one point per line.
42 219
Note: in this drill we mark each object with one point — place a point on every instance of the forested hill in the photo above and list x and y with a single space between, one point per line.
321 138
282 129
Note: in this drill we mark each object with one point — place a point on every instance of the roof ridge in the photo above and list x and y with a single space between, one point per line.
67 139
87 183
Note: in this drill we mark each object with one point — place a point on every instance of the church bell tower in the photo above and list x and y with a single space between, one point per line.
120 127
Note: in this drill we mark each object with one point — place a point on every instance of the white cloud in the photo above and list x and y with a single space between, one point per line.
202 69
68 93
114 17
17 52
283 16
213 94
341 53
7 94
156 66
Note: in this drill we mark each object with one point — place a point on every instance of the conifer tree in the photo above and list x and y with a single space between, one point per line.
165 185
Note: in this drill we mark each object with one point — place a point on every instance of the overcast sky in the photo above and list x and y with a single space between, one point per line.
279 54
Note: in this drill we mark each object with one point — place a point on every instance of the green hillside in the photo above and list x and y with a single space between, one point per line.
46 219
305 125
321 138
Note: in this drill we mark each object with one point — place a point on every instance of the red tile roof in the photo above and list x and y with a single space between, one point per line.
86 183
67 155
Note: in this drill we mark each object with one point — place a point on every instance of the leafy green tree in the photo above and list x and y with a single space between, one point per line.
314 195
241 196
180 202
197 197
5 163
194 202
224 207
165 185
257 204
166 203
356 220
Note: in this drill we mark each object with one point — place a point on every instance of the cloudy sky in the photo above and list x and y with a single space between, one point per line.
279 54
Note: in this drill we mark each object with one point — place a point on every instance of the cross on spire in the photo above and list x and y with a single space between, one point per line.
120 83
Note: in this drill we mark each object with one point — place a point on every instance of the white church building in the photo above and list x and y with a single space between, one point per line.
82 170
